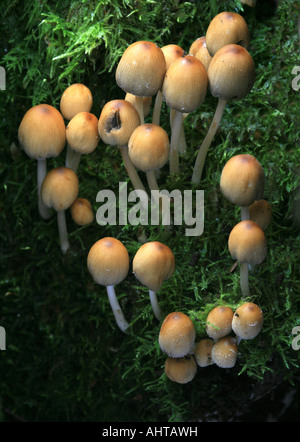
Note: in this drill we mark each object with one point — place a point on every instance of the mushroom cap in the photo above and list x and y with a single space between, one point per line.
147 103
42 132
202 352
82 132
149 147
181 370
117 121
247 243
81 212
177 335
202 53
261 213
227 28
141 69
108 261
218 322
185 84
247 321
242 180
231 73
171 53
153 264
60 188
76 98
224 352
196 45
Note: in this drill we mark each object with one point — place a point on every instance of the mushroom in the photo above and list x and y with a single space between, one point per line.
218 322
59 191
181 370
247 243
231 75
140 71
81 212
177 335
261 212
224 352
108 263
153 264
184 90
202 352
82 137
202 53
117 121
147 102
42 134
242 182
247 321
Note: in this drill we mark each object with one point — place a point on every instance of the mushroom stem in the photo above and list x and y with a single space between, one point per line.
44 211
69 156
154 303
175 137
200 160
151 179
182 142
157 108
131 170
139 104
245 213
62 230
244 281
73 159
117 311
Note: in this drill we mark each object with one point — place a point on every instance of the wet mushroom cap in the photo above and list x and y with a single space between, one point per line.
242 180
108 261
171 53
218 322
82 132
76 98
202 352
60 188
224 352
247 321
180 370
177 335
261 212
42 132
81 212
202 53
247 243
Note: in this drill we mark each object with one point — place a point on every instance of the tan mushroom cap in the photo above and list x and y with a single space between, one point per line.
108 261
60 188
82 132
247 243
171 53
149 147
231 73
181 370
218 322
224 352
227 28
185 84
261 212
242 180
202 352
117 121
76 98
177 335
81 212
147 102
202 53
153 264
42 132
141 69
247 321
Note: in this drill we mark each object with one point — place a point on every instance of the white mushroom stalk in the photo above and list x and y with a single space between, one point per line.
116 308
155 305
44 211
62 231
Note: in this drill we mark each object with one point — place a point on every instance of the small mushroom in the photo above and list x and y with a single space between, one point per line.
247 243
181 370
147 102
202 352
247 321
81 212
76 98
153 264
218 322
261 212
202 53
177 335
224 352
108 263
59 191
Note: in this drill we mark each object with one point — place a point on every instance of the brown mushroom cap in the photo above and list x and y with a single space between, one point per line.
81 212
242 180
185 84
231 73
117 121
171 53
177 335
247 243
153 264
82 132
60 188
224 352
227 28
141 69
202 352
261 212
247 321
180 370
202 53
149 147
218 322
76 98
108 261
42 132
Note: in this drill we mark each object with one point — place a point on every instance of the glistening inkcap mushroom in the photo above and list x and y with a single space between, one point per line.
76 98
81 212
247 321
202 352
108 263
218 322
224 352
177 335
261 212
181 370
